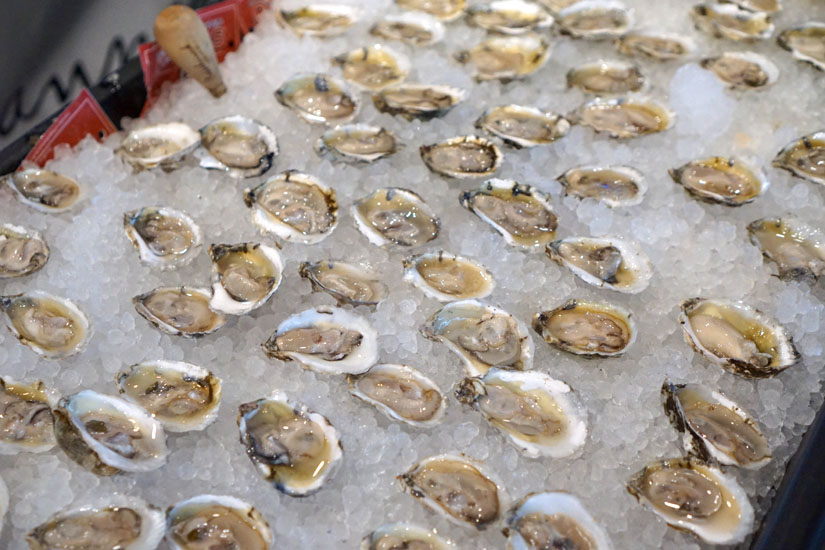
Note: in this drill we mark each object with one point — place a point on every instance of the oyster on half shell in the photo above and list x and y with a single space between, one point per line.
214 521
404 536
624 117
506 58
797 248
163 145
22 251
595 19
421 101
318 98
321 20
728 181
348 283
583 327
613 185
731 21
521 126
656 45
401 393
357 143
244 276
742 69
604 262
373 67
414 28
447 277
606 78
462 157
45 190
806 43
446 10
26 423
509 16
164 237
804 157
241 147
393 215
52 327
179 311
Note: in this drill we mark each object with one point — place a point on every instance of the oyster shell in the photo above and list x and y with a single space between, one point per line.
729 181
26 422
553 520
520 213
327 340
181 396
45 190
322 20
52 327
446 10
318 98
595 19
414 28
523 126
604 262
713 427
347 283
534 411
121 522
373 67
652 44
108 435
400 392
421 101
693 496
804 158
613 185
164 237
742 69
587 328
211 521
506 58
462 157
737 337
509 16
395 216
606 77
357 143
244 276
455 488
294 206
294 448
447 277
483 336
806 43
624 117
798 249
163 145
400 536
179 311
22 251
241 147
731 22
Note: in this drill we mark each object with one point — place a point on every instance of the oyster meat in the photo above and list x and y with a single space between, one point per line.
535 412
179 311
587 328
108 435
347 283
241 147
447 277
163 145
327 340
654 45
373 67
421 101
318 98
804 158
294 448
208 522
44 190
403 536
357 143
400 392
509 16
164 237
244 276
624 117
322 20
397 216
613 185
713 427
22 251
520 213
595 19
483 336
731 22
26 422
523 126
52 327
737 337
446 10
506 58
728 181
693 496
606 78
294 206
742 69
181 396
414 28
806 43
604 262
462 157
455 488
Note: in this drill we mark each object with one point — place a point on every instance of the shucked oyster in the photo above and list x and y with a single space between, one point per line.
292 447
403 536
395 216
357 143
804 157
742 69
44 190
347 283
327 340
737 337
713 427
654 45
162 145
182 396
483 336
798 249
321 20
534 411
374 67
613 185
605 262
506 58
241 147
693 496
447 277
521 213
462 157
22 252
318 98
544 521
595 19
446 10
587 328
244 276
523 126
414 28
606 77
731 22
455 488
624 118
768 6
294 206
400 392
509 16
806 42
52 327
179 311
121 522
26 422
164 237
422 101
728 181
108 435
208 522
